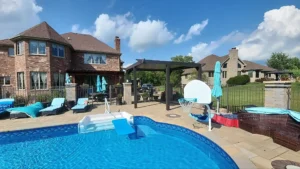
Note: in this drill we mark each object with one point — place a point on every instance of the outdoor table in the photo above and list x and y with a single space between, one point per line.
5 104
99 96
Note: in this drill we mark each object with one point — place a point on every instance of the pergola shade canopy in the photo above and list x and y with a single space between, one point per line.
157 65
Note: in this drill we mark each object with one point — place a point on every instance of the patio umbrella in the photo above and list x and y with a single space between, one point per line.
217 89
68 80
98 84
104 83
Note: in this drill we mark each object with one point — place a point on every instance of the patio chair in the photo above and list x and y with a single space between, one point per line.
81 106
56 106
24 112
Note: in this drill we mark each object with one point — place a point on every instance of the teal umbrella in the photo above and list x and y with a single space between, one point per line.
68 80
104 83
98 84
217 89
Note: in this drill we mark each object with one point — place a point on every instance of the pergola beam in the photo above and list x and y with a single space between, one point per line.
167 89
135 87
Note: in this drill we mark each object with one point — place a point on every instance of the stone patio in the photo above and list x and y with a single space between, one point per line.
248 150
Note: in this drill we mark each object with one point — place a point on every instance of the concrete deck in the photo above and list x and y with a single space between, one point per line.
248 150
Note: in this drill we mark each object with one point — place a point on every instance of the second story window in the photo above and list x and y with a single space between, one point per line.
20 48
225 65
37 48
94 58
58 50
11 52
239 65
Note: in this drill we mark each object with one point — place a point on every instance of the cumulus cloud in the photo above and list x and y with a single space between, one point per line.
76 28
193 31
278 32
141 35
17 15
203 49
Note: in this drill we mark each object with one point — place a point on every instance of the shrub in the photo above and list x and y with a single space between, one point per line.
239 80
43 98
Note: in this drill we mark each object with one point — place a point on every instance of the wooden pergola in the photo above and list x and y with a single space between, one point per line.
157 65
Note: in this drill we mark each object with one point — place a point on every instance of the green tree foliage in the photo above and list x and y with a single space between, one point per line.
194 75
175 77
282 61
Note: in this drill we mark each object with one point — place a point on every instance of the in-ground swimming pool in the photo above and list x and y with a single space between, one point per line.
154 145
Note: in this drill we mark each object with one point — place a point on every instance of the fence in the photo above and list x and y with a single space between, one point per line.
295 97
24 97
237 97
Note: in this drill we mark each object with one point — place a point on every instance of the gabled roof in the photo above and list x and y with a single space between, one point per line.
42 31
83 42
6 42
255 66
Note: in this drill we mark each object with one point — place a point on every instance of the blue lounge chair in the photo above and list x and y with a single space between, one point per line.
81 106
56 106
28 111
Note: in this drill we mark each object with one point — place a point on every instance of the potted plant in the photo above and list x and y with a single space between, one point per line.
119 99
145 96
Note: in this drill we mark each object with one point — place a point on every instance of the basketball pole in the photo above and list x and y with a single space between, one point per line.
209 117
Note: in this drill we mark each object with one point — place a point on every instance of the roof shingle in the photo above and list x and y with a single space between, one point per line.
83 42
42 31
6 42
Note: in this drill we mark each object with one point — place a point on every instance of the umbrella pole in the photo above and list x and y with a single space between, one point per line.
218 104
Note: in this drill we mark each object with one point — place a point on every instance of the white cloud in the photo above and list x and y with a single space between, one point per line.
76 28
17 15
194 30
141 35
202 49
279 32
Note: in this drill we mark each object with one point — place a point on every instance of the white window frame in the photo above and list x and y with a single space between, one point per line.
20 47
13 51
4 80
38 52
38 81
210 74
86 55
18 80
224 74
57 46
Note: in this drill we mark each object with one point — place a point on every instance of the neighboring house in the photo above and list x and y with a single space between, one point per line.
232 66
38 58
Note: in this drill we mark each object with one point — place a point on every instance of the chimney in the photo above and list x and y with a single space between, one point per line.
117 44
233 53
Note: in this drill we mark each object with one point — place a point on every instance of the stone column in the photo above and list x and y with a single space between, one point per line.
71 92
277 94
127 93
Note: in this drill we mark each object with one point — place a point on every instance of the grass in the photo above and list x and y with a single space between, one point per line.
295 97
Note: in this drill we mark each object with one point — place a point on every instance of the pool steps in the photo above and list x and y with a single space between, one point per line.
99 122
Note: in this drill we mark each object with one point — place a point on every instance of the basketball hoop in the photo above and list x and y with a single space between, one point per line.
187 104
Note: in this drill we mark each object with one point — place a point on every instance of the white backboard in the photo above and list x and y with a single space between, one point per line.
199 90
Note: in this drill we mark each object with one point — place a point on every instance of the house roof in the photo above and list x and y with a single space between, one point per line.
6 42
83 42
210 61
42 31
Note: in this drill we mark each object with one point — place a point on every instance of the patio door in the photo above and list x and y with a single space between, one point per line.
90 80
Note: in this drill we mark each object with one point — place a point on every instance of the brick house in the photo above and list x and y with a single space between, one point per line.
38 58
231 66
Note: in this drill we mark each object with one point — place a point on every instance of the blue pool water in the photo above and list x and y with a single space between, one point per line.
155 145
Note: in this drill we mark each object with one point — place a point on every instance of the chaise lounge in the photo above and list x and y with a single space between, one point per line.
24 112
81 106
56 107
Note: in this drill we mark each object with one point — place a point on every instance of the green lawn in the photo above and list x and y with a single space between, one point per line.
295 97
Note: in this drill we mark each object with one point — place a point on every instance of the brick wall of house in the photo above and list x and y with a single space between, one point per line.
112 63
7 64
20 63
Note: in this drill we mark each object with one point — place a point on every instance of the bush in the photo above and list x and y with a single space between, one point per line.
239 80
261 80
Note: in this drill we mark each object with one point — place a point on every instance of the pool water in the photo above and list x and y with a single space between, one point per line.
105 149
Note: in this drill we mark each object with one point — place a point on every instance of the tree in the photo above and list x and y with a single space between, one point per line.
175 77
194 75
282 61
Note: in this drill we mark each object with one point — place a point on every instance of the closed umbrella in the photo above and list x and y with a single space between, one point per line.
217 89
104 83
68 80
98 84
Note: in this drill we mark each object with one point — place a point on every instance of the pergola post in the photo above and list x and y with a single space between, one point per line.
167 87
134 87
199 72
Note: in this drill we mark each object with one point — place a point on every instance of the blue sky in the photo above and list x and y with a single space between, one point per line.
148 29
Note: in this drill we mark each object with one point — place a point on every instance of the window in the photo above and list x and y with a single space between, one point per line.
38 80
58 50
210 74
257 74
4 80
239 73
250 73
239 65
37 48
269 74
94 59
225 65
186 76
19 48
224 74
20 80
11 52
58 79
